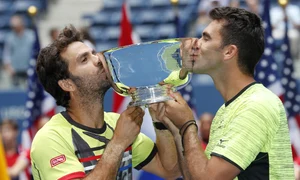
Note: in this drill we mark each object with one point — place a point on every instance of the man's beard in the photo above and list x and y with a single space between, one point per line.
89 88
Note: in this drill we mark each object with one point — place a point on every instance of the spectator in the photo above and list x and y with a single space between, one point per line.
9 133
53 33
254 6
17 51
234 3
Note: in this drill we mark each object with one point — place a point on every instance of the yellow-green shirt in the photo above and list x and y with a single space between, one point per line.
65 149
250 131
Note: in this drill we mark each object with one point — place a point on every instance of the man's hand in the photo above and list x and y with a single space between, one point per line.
128 126
177 110
157 112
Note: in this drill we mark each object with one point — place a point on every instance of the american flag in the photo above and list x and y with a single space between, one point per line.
267 69
38 103
291 97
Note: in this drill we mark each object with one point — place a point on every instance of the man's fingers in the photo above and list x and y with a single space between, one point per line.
139 119
160 111
177 98
131 109
136 112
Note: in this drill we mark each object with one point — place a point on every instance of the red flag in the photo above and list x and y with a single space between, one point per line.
120 102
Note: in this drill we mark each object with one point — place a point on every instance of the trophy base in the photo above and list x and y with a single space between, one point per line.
146 95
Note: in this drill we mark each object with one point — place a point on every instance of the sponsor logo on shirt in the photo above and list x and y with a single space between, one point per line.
220 144
57 160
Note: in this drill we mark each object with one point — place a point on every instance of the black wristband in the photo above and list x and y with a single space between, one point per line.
184 128
159 126
185 125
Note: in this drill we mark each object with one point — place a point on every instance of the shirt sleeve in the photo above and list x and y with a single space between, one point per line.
53 158
248 133
143 151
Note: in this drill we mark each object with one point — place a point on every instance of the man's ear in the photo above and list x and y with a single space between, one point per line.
230 52
66 85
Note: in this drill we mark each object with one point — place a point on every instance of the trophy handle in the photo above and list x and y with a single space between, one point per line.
104 63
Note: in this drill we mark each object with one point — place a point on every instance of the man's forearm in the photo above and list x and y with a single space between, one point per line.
108 165
182 161
167 151
193 153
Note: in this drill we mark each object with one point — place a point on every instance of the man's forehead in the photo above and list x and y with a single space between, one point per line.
213 28
74 49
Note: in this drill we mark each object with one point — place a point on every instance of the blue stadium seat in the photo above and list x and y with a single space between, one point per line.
112 5
1 52
102 18
160 3
166 31
5 6
115 18
97 33
188 2
167 16
145 32
112 32
138 4
101 46
21 6
2 36
145 17
4 23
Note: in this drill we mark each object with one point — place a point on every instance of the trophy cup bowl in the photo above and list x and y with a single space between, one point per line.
146 71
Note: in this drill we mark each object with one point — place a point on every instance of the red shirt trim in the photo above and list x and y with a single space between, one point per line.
89 158
73 175
98 156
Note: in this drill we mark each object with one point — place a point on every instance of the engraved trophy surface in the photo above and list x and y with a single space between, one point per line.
143 70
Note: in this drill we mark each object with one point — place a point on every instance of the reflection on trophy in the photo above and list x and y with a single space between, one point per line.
146 71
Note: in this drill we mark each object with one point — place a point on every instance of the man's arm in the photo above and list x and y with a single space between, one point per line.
165 162
194 160
197 163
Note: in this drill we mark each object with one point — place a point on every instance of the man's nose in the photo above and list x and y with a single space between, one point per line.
96 60
196 45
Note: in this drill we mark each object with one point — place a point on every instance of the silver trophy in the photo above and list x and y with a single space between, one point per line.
146 71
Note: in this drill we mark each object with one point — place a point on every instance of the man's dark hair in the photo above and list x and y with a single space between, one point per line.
51 67
243 29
